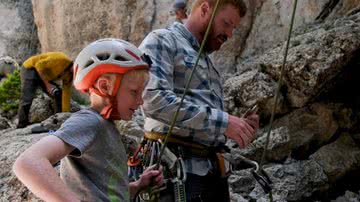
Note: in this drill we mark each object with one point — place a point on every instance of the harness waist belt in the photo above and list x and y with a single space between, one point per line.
191 147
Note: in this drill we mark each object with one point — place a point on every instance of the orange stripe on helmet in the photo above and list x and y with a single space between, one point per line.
99 70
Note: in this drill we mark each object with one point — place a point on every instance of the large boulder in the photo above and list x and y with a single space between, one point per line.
250 88
339 158
315 58
296 134
267 22
70 25
293 181
18 35
12 143
4 123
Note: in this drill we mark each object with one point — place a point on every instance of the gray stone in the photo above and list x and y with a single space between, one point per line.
297 134
338 158
4 123
249 88
312 64
42 108
70 25
18 35
294 181
348 197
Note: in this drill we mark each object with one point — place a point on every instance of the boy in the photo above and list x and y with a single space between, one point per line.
94 167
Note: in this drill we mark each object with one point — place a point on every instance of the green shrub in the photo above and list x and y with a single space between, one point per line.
10 92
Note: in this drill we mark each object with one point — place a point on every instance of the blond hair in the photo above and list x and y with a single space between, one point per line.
136 75
238 4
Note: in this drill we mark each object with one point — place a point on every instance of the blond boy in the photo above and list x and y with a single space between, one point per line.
93 158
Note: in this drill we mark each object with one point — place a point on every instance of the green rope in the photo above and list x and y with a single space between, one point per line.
278 91
279 86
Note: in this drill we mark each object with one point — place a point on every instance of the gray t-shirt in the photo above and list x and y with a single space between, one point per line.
96 169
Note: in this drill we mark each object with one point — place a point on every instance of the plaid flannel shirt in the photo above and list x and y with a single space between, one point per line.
201 119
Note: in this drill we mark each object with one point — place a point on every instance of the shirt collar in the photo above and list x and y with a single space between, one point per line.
181 29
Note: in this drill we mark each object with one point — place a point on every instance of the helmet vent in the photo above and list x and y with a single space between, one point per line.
88 63
103 56
120 58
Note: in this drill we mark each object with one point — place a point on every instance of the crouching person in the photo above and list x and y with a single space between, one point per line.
93 158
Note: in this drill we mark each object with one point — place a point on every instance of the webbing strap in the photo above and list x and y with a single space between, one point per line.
155 136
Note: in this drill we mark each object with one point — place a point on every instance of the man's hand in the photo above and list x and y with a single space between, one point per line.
242 130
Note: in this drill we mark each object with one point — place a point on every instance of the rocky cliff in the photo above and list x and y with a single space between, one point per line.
313 153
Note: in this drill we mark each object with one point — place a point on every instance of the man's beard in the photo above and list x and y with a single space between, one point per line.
214 42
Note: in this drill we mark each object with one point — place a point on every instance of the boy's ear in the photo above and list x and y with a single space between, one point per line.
104 85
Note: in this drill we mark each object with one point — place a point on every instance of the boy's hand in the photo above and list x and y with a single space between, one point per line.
151 177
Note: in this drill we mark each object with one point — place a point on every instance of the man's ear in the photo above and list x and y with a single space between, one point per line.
205 9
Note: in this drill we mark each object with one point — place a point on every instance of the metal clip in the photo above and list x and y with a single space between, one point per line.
179 181
259 174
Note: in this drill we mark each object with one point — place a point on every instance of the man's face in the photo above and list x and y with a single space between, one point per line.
129 98
225 21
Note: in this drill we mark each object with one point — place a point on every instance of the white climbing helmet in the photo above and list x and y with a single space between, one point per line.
107 55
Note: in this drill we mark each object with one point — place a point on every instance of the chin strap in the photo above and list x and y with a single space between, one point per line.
110 111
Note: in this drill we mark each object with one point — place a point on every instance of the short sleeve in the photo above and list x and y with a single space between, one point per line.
79 131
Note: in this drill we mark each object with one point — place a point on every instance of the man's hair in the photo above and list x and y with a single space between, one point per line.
238 4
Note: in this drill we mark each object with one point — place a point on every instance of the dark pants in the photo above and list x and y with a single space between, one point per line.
30 82
207 188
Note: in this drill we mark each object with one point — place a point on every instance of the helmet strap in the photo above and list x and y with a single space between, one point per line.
110 111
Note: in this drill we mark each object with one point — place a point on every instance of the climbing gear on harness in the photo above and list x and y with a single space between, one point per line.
106 56
179 182
259 174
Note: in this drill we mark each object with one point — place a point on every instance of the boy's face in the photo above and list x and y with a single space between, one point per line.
129 97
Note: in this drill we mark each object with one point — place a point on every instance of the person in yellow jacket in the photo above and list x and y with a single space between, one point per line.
52 71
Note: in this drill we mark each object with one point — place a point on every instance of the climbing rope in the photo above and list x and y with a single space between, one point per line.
279 85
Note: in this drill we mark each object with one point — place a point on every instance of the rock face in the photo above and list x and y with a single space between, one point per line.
267 22
13 143
315 58
18 35
43 107
315 139
4 123
70 25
